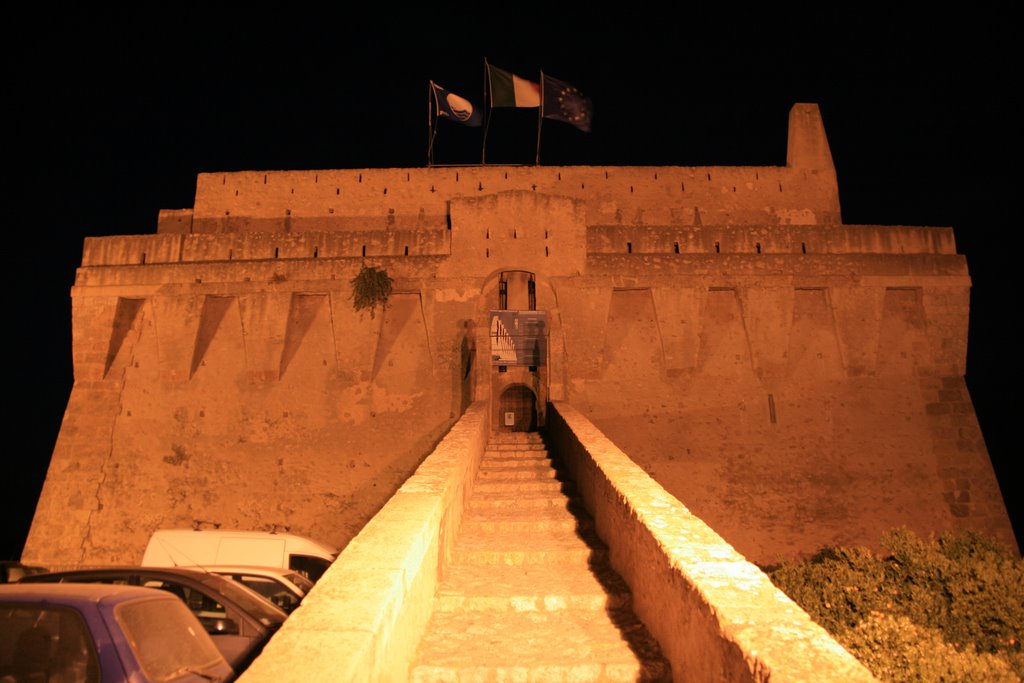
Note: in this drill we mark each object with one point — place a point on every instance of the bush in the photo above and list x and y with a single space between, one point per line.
371 287
897 650
962 588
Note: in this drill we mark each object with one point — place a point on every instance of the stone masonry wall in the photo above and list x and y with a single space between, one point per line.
793 380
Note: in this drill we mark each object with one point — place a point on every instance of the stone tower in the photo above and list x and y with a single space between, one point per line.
793 380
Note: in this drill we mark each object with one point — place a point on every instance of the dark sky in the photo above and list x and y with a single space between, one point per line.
112 115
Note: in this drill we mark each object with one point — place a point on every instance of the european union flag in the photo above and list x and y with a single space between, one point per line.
458 109
564 102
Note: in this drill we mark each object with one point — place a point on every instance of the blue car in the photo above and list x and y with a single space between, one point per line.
238 620
99 633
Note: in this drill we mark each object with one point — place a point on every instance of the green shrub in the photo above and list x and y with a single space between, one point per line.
962 588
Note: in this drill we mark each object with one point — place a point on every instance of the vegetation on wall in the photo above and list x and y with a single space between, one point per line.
371 287
949 609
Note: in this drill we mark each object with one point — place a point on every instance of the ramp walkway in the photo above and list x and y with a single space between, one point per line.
505 558
529 594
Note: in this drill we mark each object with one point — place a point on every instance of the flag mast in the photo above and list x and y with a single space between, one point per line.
487 111
431 130
540 117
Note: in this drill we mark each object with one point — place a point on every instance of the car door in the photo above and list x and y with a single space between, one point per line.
227 627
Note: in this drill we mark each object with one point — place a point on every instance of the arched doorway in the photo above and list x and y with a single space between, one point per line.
517 409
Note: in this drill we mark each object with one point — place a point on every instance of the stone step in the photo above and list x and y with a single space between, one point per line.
567 645
540 521
523 502
516 447
548 547
505 437
506 473
518 486
531 589
488 463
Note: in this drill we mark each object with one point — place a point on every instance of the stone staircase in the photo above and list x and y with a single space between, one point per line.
529 594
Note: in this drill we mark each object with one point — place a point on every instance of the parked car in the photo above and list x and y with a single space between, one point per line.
12 570
282 587
75 633
238 620
189 547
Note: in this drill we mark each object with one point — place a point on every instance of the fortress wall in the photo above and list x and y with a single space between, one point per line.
525 230
749 372
174 221
287 223
790 408
783 389
524 227
770 239
172 248
646 195
250 403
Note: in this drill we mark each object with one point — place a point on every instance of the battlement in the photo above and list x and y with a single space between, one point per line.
803 192
167 248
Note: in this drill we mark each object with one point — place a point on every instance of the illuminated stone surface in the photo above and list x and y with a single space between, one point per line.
526 598
796 381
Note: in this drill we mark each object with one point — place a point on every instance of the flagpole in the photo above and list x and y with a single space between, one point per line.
487 112
540 117
430 125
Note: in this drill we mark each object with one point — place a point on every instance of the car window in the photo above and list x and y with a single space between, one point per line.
165 639
245 598
206 608
301 581
307 565
272 590
46 644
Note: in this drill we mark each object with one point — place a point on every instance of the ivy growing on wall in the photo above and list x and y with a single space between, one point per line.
371 287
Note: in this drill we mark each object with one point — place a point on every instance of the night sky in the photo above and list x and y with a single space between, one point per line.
112 116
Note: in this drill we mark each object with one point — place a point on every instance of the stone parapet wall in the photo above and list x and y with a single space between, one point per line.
764 239
769 239
364 619
716 616
359 198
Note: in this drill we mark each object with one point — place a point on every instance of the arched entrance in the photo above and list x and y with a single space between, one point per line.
517 409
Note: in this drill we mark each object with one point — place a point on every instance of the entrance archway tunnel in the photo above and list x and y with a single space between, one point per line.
517 409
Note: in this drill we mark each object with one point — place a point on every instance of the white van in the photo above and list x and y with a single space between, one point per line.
188 547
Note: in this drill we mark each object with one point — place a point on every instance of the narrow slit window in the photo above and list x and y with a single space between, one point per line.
629 247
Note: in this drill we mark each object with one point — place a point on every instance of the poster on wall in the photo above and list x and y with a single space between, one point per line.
519 338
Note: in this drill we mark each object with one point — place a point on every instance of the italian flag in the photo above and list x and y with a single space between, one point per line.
509 90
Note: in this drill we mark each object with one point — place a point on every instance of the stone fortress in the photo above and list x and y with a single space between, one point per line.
793 380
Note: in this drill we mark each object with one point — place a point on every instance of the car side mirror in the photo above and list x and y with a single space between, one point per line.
220 626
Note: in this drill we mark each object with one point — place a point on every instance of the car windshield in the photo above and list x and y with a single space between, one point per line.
251 602
166 638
